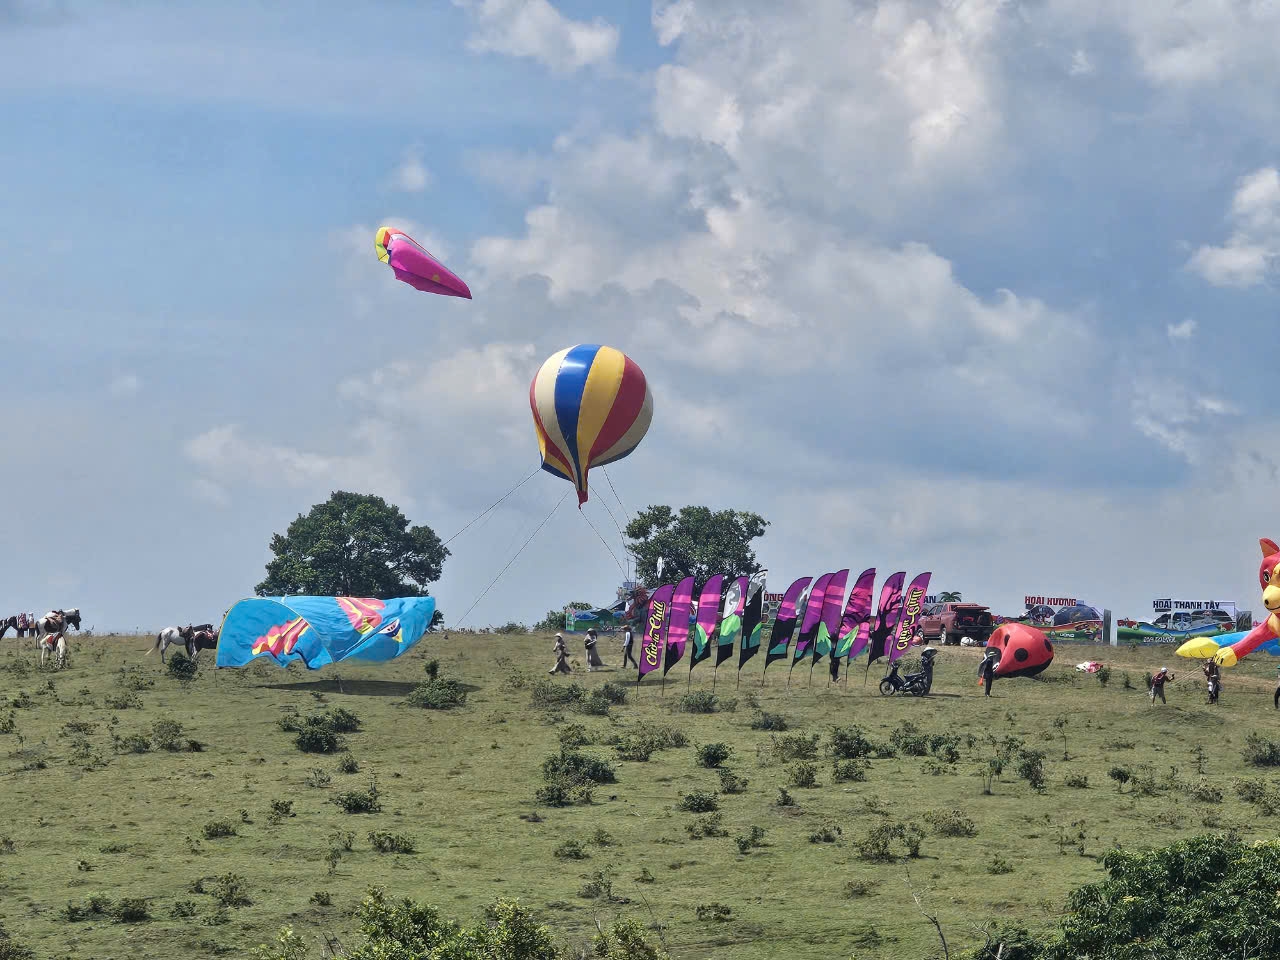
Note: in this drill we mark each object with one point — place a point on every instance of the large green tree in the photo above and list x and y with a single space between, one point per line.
696 542
354 545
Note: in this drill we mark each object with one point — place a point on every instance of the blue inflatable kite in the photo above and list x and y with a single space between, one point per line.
322 630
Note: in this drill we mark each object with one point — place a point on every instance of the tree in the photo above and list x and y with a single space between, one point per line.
554 620
696 543
949 596
354 545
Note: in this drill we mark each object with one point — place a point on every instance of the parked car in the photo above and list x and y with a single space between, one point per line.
948 623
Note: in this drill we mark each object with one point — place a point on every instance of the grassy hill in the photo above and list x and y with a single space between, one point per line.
97 814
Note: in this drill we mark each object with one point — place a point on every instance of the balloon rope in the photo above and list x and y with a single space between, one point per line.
606 544
492 505
625 512
458 623
626 515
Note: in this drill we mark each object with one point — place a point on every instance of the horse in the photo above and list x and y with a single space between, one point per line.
6 624
172 636
201 640
57 645
55 622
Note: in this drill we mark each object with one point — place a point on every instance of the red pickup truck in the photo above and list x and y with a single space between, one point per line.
946 623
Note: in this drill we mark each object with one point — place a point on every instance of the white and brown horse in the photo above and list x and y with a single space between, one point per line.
172 637
50 634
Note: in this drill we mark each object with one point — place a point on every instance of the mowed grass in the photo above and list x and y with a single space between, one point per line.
79 819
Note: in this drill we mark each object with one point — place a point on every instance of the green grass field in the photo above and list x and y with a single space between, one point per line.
82 819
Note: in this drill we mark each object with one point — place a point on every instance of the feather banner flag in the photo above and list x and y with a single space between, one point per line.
784 623
655 629
704 630
855 625
890 601
912 609
752 625
735 599
678 628
829 625
812 617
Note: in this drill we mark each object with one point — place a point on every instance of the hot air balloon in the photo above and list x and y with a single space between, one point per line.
591 406
415 266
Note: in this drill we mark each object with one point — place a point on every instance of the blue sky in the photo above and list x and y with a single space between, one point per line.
986 289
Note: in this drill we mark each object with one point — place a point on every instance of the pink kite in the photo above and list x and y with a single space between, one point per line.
415 266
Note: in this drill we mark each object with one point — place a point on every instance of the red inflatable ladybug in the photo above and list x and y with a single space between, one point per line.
1024 650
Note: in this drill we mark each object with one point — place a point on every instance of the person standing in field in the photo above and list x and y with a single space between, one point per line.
562 657
1213 675
628 658
987 669
1157 684
593 655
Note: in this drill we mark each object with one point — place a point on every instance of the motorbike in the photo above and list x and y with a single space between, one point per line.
915 684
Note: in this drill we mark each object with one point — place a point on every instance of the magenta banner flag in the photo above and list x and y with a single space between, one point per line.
812 617
678 622
912 610
890 607
655 629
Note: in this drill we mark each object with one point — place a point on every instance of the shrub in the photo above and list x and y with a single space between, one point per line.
850 743
700 701
348 764
599 887
858 888
712 755
385 842
133 743
1261 752
706 826
635 747
360 801
874 846
803 774
314 738
713 911
572 767
1030 767
615 693
731 782
951 823
124 700
230 890
575 735
130 909
602 838
168 734
431 668
827 833
562 794
849 771
183 909
748 843
1103 674
438 693
999 865
1077 781
280 810
1121 775
339 721
784 798
183 668
595 704
218 828
571 850
548 693
318 778
322 898
1204 791
699 802
1126 682
769 721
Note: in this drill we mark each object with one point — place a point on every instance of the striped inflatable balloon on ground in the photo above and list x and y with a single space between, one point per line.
591 406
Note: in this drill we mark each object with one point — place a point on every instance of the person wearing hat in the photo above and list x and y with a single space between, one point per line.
1157 685
628 640
593 655
987 668
562 657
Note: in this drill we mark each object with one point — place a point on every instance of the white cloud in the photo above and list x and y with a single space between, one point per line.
1250 253
536 29
1181 331
1175 415
412 175
1081 64
125 385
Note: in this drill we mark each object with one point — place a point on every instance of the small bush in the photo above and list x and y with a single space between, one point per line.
1126 682
791 746
130 910
8 844
1077 781
318 778
547 693
575 735
731 782
280 810
317 739
439 693
706 826
713 911
1103 674
1030 767
133 743
750 842
849 771
1204 791
827 833
850 743
1260 752
348 764
615 693
431 668
999 865
124 700
699 802
769 721
599 887
385 842
700 701
183 668
784 798
853 889
230 890
803 775
168 734
951 823
1121 775
564 795
183 909
573 767
712 755
571 850
218 828
322 898
636 748
360 801
1118 744
340 721
874 847
595 704
602 838
912 836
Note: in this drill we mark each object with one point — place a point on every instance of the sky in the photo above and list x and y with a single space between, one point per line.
981 287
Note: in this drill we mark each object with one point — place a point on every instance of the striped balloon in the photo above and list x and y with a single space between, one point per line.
591 406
